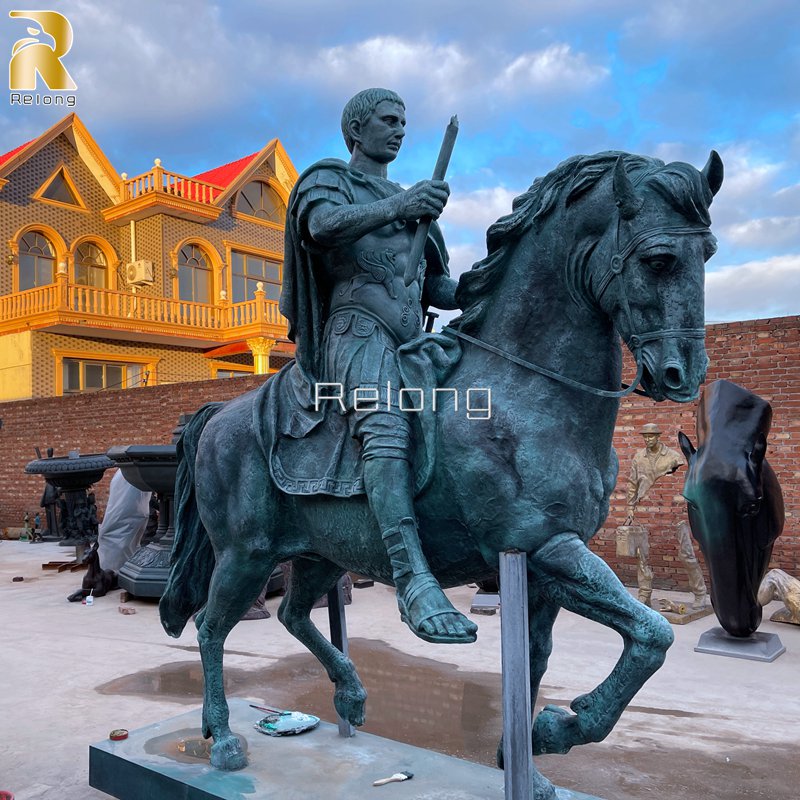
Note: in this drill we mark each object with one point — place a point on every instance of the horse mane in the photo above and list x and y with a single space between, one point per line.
681 185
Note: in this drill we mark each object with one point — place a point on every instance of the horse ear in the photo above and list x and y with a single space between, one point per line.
686 446
713 171
628 202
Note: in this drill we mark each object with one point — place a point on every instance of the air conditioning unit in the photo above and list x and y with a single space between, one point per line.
139 273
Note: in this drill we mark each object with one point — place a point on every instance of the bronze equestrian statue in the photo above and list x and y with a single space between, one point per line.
605 246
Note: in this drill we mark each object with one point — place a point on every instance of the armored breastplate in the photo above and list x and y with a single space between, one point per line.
368 275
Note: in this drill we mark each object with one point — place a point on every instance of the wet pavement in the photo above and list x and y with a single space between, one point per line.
702 727
435 705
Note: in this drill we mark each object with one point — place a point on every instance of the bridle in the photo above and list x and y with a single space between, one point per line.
635 341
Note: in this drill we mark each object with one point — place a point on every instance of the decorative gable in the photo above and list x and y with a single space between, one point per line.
60 189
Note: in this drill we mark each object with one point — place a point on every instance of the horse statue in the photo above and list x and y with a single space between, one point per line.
605 246
734 500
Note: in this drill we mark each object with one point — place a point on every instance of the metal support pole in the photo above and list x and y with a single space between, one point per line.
338 625
517 737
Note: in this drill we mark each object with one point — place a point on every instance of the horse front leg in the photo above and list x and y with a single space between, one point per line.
310 581
573 577
239 576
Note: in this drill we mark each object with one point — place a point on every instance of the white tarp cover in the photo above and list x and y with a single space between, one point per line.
123 524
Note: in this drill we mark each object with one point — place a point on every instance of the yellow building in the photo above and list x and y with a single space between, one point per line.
116 282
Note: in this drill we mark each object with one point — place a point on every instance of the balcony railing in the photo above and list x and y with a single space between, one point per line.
159 179
60 303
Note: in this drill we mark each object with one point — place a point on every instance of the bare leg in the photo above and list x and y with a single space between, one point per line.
239 577
423 605
576 579
310 581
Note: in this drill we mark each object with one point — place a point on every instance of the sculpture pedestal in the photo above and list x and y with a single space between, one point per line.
758 647
690 615
314 765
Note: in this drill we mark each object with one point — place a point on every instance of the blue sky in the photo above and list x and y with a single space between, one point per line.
198 84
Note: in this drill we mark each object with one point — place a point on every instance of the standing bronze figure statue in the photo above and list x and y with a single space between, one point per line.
655 461
605 246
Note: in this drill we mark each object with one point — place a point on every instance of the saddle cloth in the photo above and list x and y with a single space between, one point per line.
311 451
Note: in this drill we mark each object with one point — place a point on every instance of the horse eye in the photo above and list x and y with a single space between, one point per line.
659 261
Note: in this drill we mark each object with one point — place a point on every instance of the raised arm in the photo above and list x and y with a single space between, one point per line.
332 225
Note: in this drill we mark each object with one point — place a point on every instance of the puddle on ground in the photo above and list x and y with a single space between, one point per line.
186 746
434 705
412 699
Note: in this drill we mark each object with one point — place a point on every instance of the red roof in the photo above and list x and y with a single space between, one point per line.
227 173
11 153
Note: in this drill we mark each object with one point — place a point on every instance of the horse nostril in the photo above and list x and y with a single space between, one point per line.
673 376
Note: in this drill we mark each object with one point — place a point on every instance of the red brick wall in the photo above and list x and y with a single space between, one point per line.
91 423
763 355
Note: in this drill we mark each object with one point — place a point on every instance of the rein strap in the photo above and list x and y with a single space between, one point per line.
549 373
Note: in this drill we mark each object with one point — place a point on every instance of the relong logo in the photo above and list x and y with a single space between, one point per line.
34 56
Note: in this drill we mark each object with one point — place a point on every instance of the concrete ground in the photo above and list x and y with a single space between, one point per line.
702 727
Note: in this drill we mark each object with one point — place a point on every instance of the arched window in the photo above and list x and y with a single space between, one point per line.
90 266
37 261
194 275
259 200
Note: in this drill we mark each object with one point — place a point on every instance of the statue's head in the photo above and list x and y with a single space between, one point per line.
361 107
650 433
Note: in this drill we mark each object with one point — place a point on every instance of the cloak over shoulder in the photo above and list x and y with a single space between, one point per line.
305 296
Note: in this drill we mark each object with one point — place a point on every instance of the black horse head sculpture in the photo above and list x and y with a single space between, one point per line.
735 500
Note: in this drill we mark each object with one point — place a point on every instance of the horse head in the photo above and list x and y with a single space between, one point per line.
734 500
646 270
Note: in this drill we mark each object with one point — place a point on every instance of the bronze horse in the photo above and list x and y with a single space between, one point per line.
603 247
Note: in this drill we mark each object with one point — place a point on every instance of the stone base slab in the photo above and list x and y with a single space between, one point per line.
758 647
169 761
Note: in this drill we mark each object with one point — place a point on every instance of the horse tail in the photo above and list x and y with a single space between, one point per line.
192 561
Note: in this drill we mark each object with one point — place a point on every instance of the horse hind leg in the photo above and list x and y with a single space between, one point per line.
239 576
578 580
310 581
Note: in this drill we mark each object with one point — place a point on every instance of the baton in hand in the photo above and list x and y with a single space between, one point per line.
440 170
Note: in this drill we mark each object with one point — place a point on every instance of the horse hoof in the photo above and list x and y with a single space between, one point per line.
555 730
350 705
227 754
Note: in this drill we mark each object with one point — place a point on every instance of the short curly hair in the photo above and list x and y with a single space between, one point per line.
361 106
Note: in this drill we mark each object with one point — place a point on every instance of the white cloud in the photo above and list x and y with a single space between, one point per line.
747 189
463 256
755 289
160 65
555 68
387 59
450 73
771 232
480 208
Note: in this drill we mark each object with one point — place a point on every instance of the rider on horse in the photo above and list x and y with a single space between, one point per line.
349 234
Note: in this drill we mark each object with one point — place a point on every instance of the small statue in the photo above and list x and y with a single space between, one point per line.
650 464
49 502
779 585
97 581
